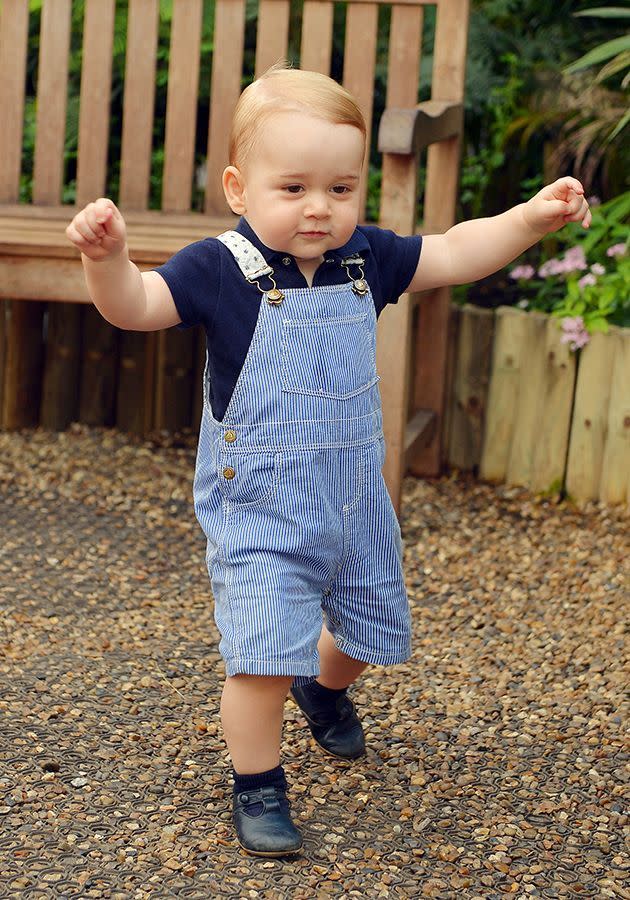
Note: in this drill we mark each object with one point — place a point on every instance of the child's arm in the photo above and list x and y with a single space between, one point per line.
123 295
471 250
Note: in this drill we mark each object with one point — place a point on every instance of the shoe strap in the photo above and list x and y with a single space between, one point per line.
268 796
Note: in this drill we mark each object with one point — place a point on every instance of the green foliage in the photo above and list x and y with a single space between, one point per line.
583 273
616 54
530 42
601 303
480 168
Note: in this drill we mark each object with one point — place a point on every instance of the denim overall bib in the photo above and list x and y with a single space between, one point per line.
289 490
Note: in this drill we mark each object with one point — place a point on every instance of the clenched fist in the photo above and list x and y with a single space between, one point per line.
99 230
557 203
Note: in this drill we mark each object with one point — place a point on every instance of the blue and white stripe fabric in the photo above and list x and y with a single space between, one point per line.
290 494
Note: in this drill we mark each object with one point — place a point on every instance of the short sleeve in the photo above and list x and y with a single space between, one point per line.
193 276
396 261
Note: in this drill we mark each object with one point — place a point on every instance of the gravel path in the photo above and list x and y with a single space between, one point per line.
496 763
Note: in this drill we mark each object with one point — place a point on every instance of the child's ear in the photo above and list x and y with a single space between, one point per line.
234 190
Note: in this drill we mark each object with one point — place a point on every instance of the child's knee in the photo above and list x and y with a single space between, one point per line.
263 685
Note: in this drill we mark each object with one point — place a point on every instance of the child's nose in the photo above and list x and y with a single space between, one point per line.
317 205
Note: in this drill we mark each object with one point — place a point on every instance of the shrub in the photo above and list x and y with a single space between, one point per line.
582 277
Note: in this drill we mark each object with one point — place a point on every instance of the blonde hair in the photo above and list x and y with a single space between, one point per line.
280 89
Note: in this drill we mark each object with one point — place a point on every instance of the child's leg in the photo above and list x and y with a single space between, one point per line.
336 669
329 712
252 709
251 712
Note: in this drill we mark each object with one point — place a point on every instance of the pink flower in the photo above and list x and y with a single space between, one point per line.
551 267
525 272
574 257
597 269
587 280
616 250
574 332
573 261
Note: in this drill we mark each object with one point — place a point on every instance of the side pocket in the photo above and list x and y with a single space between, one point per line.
248 479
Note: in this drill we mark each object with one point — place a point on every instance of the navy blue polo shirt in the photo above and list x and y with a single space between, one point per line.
209 289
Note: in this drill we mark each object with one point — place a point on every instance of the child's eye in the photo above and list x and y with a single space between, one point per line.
341 189
293 188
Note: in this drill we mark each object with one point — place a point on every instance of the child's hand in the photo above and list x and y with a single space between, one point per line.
554 206
99 230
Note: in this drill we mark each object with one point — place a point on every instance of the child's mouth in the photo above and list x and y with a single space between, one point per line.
313 234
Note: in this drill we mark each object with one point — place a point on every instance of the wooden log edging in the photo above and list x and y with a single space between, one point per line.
550 421
468 386
614 483
81 369
589 428
520 407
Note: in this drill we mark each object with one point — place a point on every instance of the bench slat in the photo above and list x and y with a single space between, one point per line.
398 211
227 66
181 105
135 352
358 67
272 36
96 78
181 128
439 214
317 29
403 64
447 84
13 44
138 105
52 93
399 2
156 236
96 74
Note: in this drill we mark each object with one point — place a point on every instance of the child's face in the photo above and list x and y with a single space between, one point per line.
300 185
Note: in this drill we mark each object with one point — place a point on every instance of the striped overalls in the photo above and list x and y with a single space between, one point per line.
289 491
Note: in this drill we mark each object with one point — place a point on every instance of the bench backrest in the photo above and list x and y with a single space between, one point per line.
276 27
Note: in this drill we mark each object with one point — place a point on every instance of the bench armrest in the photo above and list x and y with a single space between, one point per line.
407 131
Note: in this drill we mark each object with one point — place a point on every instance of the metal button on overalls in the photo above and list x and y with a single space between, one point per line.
229 472
230 436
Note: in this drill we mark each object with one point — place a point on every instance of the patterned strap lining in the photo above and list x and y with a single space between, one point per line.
250 261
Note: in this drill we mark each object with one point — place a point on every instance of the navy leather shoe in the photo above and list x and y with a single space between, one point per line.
263 823
337 729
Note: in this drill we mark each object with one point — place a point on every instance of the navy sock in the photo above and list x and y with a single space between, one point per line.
324 699
271 778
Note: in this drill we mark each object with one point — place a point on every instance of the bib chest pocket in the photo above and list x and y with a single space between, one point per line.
328 357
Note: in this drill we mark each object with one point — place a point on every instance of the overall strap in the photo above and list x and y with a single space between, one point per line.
250 261
253 265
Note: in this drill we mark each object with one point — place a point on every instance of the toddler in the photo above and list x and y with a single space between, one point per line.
303 545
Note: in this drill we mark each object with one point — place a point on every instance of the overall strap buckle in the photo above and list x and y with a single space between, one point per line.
359 285
274 296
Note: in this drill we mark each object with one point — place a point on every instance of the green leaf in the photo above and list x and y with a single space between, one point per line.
617 64
621 124
606 12
599 54
596 324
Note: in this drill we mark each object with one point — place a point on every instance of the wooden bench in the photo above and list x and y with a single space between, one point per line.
58 360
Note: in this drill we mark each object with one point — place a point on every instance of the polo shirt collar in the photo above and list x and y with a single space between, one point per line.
357 244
